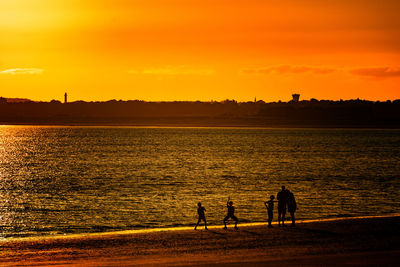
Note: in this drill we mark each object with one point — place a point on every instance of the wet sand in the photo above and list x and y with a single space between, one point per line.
356 241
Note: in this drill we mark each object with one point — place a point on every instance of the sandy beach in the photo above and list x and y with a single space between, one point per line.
355 241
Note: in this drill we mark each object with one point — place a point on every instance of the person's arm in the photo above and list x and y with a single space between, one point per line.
265 203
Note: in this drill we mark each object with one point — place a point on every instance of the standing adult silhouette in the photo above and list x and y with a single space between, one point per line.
282 197
292 206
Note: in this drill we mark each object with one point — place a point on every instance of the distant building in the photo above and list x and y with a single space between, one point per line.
296 98
65 98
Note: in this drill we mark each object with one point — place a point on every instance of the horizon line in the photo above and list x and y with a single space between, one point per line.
23 100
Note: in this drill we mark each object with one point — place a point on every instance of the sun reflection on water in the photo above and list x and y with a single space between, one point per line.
95 179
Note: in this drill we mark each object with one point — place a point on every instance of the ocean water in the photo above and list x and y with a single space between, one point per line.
57 180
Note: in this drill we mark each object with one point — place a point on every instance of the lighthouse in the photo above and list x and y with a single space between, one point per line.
65 98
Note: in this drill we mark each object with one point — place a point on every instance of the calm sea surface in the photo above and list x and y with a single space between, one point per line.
56 180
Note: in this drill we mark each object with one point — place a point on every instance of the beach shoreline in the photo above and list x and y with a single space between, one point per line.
184 228
367 240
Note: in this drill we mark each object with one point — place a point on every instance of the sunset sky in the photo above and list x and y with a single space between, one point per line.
199 50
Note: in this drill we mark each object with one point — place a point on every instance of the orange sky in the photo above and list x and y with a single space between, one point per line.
199 50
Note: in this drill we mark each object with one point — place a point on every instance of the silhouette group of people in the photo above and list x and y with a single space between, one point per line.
286 200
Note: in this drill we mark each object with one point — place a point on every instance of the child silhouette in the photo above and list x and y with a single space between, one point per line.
202 216
270 208
231 213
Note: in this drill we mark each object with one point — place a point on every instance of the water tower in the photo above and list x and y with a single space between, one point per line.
296 98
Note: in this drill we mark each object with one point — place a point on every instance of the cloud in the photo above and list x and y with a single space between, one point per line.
287 69
371 72
174 71
377 72
22 71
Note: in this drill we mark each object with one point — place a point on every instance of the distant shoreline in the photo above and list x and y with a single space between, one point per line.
201 125
229 113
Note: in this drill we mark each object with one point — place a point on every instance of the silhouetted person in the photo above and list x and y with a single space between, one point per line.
270 208
202 216
282 202
231 213
291 203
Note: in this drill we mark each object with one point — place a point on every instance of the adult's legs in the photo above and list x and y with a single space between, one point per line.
293 219
283 217
279 217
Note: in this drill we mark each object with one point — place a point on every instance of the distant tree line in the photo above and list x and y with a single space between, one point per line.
312 113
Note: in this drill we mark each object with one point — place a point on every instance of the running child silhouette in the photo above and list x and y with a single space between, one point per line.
231 213
202 216
270 208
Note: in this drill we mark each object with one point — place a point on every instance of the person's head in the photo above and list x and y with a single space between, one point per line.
272 197
230 203
283 188
199 204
